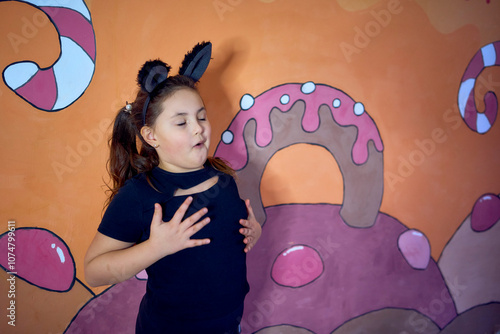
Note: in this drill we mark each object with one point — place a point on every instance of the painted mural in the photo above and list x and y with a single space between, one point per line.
364 133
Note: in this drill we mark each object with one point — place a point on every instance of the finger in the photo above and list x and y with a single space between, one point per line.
195 217
249 208
196 227
181 211
245 231
157 215
197 242
244 222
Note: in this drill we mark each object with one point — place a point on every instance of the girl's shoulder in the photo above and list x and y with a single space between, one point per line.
136 189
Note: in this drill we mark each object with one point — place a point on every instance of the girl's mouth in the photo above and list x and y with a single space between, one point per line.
200 144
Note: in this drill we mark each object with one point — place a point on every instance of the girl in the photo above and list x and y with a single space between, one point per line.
173 210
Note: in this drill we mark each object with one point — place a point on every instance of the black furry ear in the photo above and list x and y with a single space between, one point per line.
152 73
196 61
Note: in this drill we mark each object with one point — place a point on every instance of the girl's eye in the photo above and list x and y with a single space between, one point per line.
181 124
202 119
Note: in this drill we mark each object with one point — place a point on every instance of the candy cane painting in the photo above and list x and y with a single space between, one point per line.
481 122
58 86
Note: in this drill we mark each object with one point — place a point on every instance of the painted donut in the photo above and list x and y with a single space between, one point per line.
56 87
308 113
481 122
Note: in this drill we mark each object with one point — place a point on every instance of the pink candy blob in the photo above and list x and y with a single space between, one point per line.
39 257
486 212
297 266
415 248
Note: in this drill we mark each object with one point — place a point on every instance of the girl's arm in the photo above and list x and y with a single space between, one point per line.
110 261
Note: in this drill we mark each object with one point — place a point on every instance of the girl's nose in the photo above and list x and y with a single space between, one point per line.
197 128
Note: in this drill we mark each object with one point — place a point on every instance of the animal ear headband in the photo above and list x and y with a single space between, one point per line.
154 73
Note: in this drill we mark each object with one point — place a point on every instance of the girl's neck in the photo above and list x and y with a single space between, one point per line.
178 170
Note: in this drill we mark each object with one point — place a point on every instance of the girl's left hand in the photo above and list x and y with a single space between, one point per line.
252 228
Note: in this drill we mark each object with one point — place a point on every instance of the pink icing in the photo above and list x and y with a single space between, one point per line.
486 212
297 266
236 152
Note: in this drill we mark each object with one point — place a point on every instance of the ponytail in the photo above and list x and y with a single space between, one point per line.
127 156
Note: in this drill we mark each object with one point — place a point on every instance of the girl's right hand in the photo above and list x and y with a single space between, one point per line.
167 238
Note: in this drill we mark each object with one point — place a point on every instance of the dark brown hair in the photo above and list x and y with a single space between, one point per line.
129 153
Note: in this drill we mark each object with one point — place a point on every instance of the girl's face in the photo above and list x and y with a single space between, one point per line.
182 132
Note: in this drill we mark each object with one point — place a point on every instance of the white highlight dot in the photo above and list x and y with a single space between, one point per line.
293 249
247 102
59 251
61 255
285 99
359 108
336 103
308 87
227 137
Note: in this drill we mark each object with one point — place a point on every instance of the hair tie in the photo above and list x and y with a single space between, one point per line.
128 108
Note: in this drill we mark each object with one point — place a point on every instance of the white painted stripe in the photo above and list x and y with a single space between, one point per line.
482 123
463 94
489 55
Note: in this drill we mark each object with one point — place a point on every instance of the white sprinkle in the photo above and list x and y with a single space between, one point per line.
308 87
285 99
336 103
227 137
53 245
247 102
359 108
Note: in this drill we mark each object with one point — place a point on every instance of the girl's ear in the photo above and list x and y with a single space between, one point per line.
148 134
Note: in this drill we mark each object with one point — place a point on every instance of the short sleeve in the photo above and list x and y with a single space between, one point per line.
123 218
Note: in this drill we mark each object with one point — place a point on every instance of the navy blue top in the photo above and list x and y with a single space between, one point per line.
196 284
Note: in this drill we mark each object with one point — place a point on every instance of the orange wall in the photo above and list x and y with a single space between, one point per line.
407 74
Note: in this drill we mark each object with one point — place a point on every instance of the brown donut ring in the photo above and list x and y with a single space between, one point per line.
363 184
